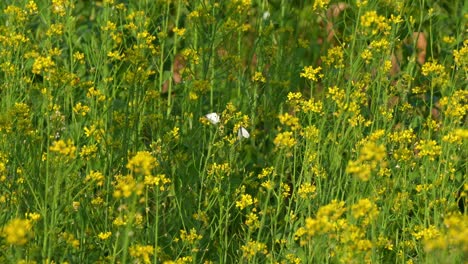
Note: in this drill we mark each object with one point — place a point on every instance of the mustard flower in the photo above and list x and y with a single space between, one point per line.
371 158
15 13
119 221
285 140
312 106
266 172
252 221
67 149
436 72
456 105
332 211
421 232
366 55
364 208
307 191
59 7
125 186
55 29
253 248
159 180
375 23
295 101
31 6
88 152
179 31
190 237
320 5
334 57
268 185
104 236
220 170
142 163
96 177
81 109
428 148
290 121
70 239
97 201
457 230
242 5
76 205
142 253
311 74
17 231
258 77
175 133
461 56
43 64
34 217
191 55
456 136
285 190
245 201
79 57
311 133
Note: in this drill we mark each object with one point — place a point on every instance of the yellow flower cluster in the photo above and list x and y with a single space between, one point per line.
67 149
245 201
253 248
371 158
17 231
125 186
96 177
142 163
285 140
159 180
142 253
428 148
311 74
436 72
334 57
307 191
461 56
374 23
190 238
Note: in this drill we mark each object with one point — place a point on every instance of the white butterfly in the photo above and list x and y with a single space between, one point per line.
213 118
243 133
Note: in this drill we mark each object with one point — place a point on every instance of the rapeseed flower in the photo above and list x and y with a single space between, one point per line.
142 253
253 248
17 231
311 74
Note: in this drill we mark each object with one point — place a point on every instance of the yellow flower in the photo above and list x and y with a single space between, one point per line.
252 248
258 77
307 191
104 236
285 140
311 74
142 163
67 149
17 231
289 120
142 253
95 176
366 209
244 201
320 4
428 148
179 31
190 238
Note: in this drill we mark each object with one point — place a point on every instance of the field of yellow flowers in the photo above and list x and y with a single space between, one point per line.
240 131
